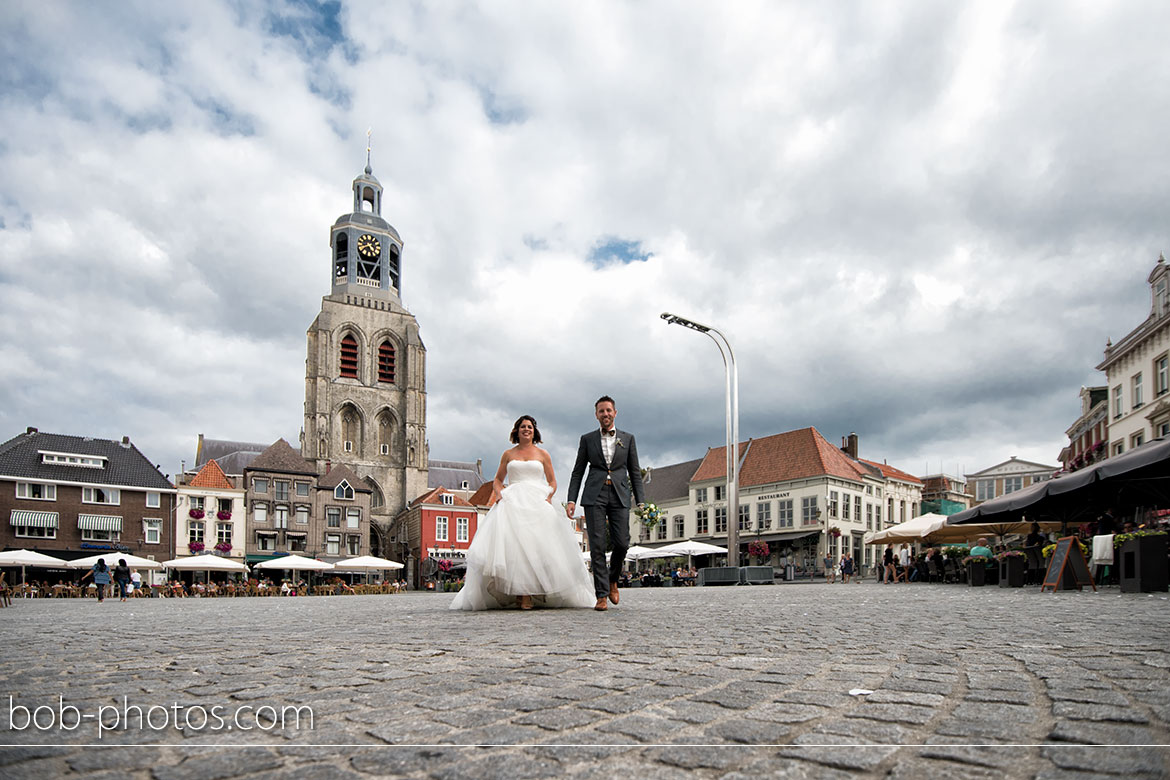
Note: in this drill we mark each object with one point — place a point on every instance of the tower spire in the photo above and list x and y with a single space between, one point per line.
369 133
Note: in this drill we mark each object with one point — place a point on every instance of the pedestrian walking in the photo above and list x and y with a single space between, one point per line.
846 567
122 578
101 578
830 570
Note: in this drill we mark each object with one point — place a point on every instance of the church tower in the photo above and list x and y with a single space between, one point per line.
365 371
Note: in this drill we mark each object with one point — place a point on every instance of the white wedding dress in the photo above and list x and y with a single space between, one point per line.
524 547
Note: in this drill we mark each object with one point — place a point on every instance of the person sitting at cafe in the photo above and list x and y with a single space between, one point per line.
981 548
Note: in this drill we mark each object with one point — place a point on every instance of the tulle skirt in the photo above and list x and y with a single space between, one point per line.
524 547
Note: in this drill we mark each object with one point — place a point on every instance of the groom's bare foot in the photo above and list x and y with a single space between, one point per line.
613 593
601 606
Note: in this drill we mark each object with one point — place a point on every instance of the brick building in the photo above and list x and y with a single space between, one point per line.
76 496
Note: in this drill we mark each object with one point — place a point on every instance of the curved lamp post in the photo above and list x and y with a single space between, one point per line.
732 424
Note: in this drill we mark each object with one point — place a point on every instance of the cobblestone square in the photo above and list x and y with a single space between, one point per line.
731 682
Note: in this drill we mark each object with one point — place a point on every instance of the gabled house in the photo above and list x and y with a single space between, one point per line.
76 496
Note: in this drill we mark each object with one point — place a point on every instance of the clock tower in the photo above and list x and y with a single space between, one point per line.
365 370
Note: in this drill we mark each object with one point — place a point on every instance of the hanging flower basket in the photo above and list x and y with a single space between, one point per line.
195 547
223 515
224 548
834 532
758 549
196 514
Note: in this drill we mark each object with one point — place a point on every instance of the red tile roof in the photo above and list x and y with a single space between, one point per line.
212 476
483 496
784 456
889 472
432 497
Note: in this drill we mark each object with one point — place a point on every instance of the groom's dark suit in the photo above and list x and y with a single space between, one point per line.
606 499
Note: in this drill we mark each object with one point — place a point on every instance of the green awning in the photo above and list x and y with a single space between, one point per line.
99 523
23 517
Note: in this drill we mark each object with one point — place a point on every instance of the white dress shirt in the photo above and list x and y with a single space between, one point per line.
609 445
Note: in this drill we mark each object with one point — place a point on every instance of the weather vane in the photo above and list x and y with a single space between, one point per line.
369 133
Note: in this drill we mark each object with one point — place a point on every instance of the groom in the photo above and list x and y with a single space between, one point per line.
613 472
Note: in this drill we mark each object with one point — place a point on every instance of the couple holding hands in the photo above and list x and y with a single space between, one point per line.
525 553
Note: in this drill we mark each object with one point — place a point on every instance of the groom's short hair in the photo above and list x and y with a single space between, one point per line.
602 400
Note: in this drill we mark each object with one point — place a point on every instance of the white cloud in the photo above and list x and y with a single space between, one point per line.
919 222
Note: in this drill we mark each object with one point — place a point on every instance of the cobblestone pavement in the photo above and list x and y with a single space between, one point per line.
704 682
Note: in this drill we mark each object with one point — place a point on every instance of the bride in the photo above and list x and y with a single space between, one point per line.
524 548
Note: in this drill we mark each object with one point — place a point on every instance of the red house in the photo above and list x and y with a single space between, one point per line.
438 525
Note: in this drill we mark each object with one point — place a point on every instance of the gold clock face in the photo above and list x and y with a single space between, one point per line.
369 246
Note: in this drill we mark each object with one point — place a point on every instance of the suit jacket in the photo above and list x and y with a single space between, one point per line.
623 471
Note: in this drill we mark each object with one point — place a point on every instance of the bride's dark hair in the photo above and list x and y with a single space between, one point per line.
515 435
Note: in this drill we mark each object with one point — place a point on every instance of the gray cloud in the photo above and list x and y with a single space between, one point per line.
918 223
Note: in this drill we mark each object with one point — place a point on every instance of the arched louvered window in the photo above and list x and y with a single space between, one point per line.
386 362
349 356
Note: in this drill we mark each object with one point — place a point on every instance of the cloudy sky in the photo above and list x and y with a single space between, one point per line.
916 221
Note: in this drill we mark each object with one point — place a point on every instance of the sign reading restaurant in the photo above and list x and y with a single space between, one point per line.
772 495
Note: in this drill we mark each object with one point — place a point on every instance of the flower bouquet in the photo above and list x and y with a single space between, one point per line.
650 515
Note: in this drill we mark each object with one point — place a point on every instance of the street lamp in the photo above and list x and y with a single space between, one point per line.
732 425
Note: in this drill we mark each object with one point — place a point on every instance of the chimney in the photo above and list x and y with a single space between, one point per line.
328 467
849 445
31 430
126 442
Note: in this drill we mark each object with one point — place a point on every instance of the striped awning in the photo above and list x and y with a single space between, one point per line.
28 519
99 523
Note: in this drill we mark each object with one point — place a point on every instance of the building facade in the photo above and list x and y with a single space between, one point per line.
1137 370
1007 477
293 510
798 493
438 526
1088 437
365 371
944 494
77 496
211 516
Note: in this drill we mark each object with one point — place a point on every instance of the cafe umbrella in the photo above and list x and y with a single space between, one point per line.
366 563
23 558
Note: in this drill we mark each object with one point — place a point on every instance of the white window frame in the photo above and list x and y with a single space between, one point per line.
151 530
332 544
259 484
441 529
462 528
301 514
353 517
1136 383
353 544
196 531
280 516
260 513
89 495
331 513
94 535
784 509
153 499
343 491
447 499
1118 403
48 491
33 532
